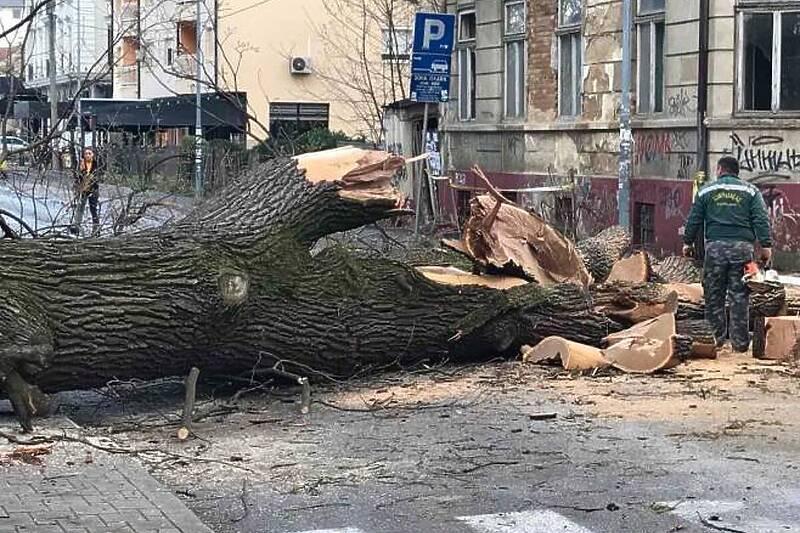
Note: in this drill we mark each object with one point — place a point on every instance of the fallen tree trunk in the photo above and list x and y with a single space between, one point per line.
600 252
234 287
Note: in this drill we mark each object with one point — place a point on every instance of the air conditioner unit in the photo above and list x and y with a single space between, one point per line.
300 65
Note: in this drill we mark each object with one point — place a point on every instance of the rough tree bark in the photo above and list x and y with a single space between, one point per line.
234 287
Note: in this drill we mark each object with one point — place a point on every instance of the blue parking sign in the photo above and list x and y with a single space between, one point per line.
434 33
434 38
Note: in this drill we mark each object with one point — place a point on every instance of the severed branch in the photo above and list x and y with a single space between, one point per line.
188 407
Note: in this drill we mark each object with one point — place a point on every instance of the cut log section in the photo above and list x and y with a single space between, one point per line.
782 337
702 335
632 269
505 238
572 355
634 303
600 252
676 269
646 348
456 277
691 300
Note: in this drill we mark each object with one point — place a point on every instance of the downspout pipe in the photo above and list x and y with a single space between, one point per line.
702 89
702 114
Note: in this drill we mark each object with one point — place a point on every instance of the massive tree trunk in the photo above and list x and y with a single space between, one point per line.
235 287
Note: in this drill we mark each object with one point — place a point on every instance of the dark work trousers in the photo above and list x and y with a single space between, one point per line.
722 282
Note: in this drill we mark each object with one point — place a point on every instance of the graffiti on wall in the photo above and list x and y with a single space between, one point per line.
667 153
672 200
652 146
764 154
682 104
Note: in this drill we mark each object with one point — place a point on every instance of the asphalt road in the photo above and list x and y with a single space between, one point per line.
710 447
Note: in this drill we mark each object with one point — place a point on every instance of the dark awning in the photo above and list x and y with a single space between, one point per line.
226 110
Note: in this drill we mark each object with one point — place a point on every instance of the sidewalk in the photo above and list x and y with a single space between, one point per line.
77 489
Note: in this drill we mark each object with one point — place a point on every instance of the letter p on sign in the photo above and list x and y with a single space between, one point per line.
434 31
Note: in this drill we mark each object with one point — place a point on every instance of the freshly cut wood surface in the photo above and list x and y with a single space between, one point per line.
455 277
645 348
632 269
783 336
573 355
364 175
513 241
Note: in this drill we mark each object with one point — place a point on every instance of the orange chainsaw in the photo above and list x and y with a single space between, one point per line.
754 272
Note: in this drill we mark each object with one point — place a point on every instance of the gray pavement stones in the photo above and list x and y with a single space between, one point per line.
67 493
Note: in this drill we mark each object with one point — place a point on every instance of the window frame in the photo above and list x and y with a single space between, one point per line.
757 7
570 31
461 13
471 102
518 39
648 21
386 54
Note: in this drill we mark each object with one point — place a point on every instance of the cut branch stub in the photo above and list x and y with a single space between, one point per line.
520 243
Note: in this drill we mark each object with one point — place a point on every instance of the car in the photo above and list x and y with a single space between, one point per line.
13 144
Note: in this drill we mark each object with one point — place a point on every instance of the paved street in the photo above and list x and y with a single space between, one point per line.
495 448
73 489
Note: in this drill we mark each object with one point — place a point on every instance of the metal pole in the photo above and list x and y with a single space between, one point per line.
625 133
51 45
198 119
78 50
418 193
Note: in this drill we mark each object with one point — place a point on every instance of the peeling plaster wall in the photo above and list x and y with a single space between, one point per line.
546 147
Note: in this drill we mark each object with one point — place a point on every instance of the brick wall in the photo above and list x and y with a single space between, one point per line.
542 76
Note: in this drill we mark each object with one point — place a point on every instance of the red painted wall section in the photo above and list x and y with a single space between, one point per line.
671 201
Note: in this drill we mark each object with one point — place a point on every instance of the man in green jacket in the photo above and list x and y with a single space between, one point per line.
735 218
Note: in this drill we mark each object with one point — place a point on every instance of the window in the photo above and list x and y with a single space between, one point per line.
650 30
397 44
288 121
647 7
187 37
30 72
769 61
467 27
644 229
570 64
514 30
467 79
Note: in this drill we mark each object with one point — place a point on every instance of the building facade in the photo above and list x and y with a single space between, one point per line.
155 50
317 63
537 97
12 12
82 43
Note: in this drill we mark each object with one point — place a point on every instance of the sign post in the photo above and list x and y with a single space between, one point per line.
434 37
